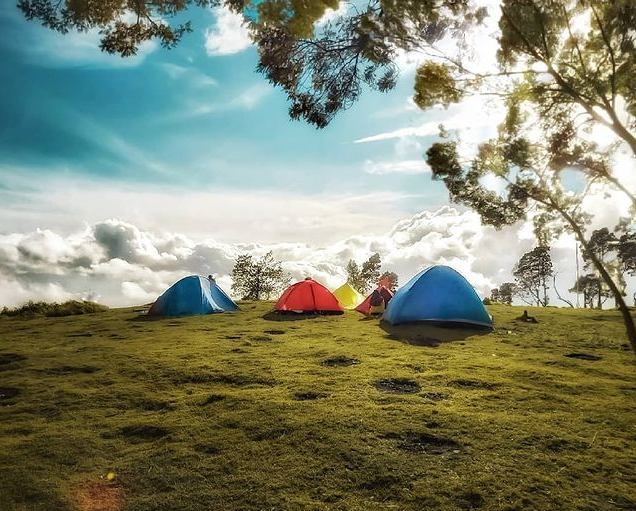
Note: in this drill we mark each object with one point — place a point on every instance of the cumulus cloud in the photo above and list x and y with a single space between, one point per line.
228 36
125 265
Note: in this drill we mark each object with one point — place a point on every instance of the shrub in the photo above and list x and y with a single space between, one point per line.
68 308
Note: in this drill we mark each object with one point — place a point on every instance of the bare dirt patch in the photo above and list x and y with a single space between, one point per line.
425 443
584 356
212 398
470 500
210 450
275 332
261 338
398 385
340 361
9 361
99 497
10 358
63 370
309 396
8 393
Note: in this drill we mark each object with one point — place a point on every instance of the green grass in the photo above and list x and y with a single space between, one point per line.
238 412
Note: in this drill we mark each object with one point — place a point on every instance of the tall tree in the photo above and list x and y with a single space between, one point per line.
353 274
591 287
532 274
391 278
370 273
601 244
506 292
258 278
365 276
627 252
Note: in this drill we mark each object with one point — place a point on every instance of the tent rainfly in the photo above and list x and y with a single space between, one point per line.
308 296
348 297
192 295
440 294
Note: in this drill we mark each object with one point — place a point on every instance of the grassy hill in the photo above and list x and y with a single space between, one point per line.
240 412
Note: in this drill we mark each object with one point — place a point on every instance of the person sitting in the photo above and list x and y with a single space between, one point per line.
376 303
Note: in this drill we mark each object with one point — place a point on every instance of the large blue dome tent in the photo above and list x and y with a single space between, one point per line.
439 294
192 295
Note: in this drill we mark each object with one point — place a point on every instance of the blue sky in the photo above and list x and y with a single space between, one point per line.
187 158
185 120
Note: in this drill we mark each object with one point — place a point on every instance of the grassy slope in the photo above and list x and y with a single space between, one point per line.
533 429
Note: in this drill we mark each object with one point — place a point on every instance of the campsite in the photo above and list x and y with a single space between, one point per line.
318 255
235 411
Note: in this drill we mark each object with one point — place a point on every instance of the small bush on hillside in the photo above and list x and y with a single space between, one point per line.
69 308
487 301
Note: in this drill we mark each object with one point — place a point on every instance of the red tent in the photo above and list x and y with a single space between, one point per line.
366 305
308 296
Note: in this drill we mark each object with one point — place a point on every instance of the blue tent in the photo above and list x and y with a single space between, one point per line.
192 295
437 293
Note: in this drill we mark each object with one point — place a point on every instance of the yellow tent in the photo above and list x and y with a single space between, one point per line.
348 297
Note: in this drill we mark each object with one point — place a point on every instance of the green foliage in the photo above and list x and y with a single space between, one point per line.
532 274
364 278
124 25
601 245
592 289
68 308
258 278
627 252
503 294
297 17
190 417
392 277
434 85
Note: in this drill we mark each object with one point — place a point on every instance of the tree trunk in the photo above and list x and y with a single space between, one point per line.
628 320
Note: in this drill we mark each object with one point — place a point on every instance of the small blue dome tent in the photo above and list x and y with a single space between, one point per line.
192 295
437 293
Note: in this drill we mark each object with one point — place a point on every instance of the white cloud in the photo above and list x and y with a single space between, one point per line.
227 214
188 73
228 36
47 48
126 265
475 119
246 99
396 167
